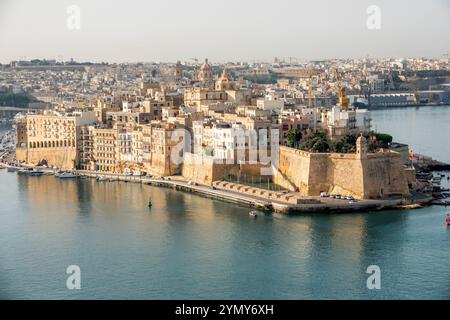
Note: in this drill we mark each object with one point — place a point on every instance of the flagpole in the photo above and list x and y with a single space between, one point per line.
411 157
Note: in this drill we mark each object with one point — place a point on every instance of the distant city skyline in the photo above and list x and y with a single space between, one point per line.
142 31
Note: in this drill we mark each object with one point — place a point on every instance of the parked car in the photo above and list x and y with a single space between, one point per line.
324 195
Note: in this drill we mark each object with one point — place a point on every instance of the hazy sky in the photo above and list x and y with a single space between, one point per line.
227 30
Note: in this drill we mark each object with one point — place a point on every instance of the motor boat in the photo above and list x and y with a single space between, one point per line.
36 173
253 214
26 171
102 178
66 175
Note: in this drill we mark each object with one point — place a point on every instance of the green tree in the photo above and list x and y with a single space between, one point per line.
293 137
315 142
383 139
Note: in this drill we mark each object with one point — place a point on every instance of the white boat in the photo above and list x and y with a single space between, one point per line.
102 178
25 171
66 175
253 213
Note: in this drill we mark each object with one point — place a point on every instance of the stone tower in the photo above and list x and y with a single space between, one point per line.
224 82
205 75
361 148
178 71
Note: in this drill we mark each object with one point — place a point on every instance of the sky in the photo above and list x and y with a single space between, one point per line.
231 30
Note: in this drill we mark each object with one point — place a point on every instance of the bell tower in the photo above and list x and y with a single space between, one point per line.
361 147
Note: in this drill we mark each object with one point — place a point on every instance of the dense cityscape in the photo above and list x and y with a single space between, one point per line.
219 158
226 126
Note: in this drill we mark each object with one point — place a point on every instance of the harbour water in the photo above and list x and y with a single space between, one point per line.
426 129
190 247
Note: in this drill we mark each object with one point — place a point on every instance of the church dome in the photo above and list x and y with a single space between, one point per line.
206 66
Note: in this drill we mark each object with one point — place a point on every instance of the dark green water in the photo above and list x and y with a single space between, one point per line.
189 247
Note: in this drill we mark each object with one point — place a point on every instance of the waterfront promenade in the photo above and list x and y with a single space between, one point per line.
309 205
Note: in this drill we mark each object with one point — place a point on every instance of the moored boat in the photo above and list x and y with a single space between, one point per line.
26 171
66 175
36 173
253 214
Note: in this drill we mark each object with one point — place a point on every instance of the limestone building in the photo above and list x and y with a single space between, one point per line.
51 138
106 152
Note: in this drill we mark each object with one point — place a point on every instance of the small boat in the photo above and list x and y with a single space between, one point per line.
253 214
11 169
102 178
36 173
66 175
25 171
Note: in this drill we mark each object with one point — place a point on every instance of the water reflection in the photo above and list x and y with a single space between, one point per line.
188 246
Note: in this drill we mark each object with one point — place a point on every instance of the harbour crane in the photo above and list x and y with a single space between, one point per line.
343 100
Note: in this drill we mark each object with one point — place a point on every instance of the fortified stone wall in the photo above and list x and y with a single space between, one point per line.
344 176
294 168
375 176
203 169
367 176
160 164
64 158
319 173
384 174
198 168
